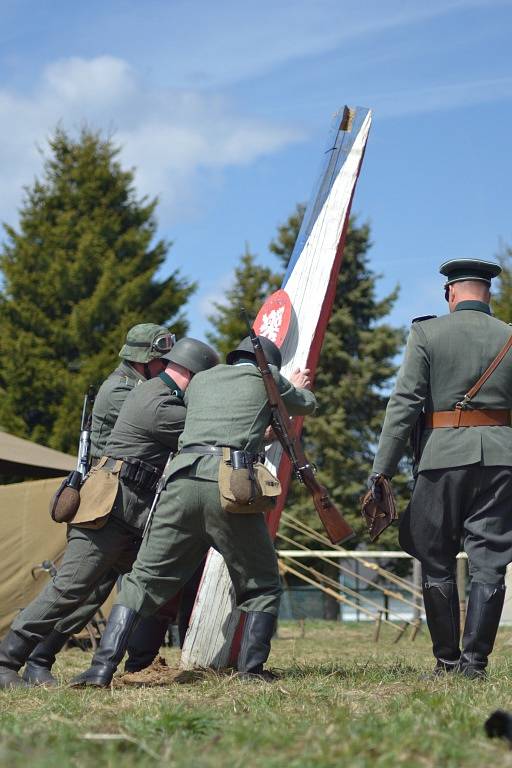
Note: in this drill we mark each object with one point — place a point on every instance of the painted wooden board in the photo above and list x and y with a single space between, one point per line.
310 284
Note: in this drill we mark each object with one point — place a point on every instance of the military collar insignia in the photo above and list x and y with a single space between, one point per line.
175 390
477 306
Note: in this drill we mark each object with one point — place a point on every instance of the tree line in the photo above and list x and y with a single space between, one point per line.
83 265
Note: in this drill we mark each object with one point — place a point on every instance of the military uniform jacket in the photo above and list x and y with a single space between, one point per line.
444 357
111 396
147 428
227 405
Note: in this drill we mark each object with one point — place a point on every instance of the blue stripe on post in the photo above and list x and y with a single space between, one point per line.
339 146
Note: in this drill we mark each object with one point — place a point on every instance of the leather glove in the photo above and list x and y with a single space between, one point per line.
374 487
378 505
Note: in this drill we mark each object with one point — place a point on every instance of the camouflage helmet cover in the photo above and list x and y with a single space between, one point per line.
145 342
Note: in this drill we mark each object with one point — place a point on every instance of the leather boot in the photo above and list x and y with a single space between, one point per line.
442 610
485 604
145 642
255 647
41 660
111 649
14 651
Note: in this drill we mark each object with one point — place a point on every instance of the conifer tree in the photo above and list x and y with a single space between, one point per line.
251 286
502 300
77 273
354 375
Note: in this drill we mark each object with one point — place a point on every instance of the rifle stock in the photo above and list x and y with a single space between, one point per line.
336 527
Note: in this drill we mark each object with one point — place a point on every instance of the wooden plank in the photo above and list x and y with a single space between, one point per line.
310 283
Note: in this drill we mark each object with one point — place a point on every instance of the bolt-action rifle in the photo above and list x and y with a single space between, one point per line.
333 521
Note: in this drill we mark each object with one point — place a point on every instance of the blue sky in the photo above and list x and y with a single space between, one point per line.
224 109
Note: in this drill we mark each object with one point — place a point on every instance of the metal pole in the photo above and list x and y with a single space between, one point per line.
461 586
416 580
358 615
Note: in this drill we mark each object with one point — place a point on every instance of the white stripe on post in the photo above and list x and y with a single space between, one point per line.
214 619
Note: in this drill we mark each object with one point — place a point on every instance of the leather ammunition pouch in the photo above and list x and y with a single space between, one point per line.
246 485
139 474
98 494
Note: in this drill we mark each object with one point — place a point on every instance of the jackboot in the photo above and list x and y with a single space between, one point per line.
145 642
441 600
41 660
255 647
485 604
111 649
14 651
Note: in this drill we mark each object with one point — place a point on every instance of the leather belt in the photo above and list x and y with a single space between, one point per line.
467 418
203 450
216 450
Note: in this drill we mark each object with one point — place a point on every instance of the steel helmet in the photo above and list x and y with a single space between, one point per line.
192 354
271 350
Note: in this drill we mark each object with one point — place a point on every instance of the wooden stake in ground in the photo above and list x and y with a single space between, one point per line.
295 318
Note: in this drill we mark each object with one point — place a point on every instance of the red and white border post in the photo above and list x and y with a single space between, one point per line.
295 317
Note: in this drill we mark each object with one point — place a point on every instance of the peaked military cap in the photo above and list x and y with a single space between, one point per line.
457 270
192 354
145 342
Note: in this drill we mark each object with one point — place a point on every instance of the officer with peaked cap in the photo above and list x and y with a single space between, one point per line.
141 359
227 415
463 490
106 533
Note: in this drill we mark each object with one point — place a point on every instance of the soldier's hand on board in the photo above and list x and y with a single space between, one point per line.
301 378
269 436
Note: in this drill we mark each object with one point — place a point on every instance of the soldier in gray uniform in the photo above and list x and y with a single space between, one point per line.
227 408
140 360
463 489
146 431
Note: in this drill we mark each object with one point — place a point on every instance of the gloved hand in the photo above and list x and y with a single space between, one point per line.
374 487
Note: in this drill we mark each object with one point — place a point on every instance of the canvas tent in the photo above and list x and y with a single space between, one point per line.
22 457
29 536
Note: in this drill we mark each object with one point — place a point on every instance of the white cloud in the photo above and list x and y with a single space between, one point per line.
169 135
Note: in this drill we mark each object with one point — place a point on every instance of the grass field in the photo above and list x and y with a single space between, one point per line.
342 701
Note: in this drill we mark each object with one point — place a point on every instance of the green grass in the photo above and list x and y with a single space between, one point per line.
343 700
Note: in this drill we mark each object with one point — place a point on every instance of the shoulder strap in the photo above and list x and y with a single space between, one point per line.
490 370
